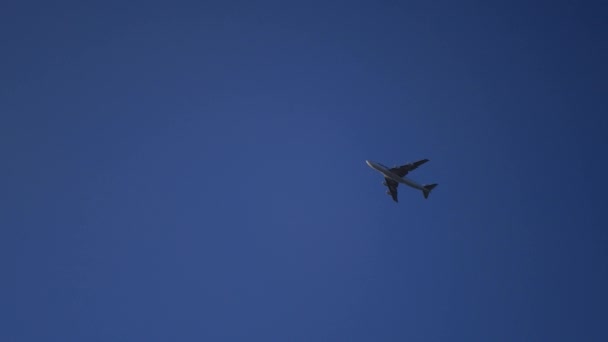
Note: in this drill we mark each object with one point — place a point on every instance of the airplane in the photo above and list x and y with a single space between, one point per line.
395 175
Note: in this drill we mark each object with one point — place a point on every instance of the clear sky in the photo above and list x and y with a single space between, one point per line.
195 171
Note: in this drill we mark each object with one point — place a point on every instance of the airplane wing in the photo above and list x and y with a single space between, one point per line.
405 169
392 188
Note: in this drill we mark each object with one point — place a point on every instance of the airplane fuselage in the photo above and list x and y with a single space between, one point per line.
388 174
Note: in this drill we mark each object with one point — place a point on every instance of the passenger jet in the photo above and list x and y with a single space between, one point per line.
394 176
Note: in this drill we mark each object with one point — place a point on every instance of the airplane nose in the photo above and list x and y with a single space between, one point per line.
368 163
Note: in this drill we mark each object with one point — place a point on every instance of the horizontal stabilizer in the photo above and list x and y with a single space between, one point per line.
427 189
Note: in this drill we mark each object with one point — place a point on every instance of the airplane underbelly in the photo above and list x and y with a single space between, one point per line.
411 183
393 177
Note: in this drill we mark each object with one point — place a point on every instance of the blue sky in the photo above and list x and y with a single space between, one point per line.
196 171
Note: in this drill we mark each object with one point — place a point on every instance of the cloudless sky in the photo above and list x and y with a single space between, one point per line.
195 171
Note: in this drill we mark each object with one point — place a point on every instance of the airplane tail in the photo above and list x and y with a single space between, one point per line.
427 189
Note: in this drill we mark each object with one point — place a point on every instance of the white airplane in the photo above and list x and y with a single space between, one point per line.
394 176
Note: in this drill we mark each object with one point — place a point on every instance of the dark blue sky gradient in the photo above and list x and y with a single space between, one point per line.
195 171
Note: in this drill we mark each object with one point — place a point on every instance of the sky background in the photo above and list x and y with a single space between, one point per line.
195 171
